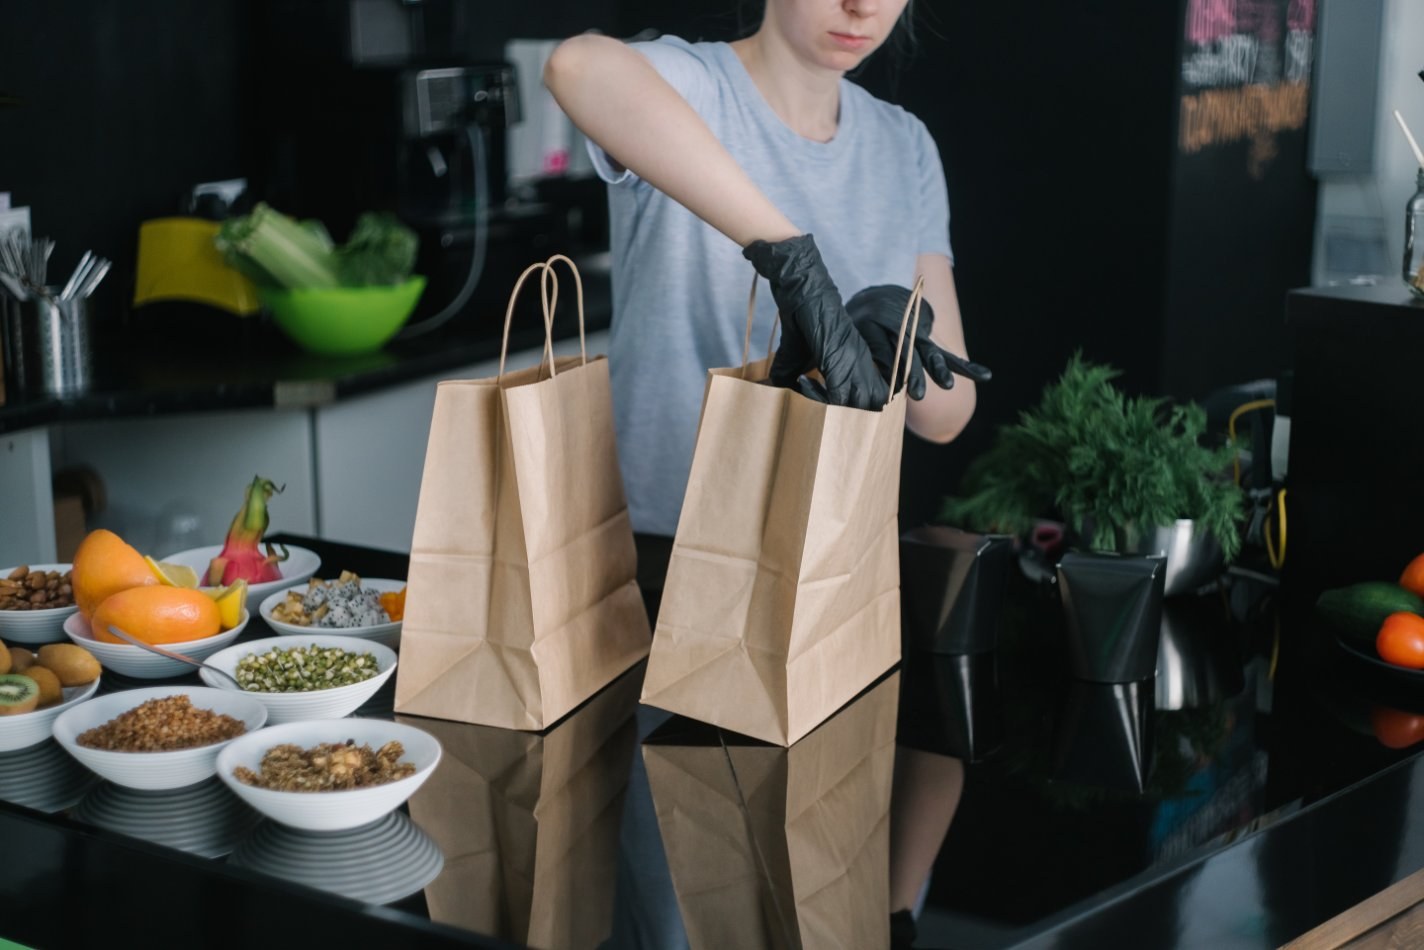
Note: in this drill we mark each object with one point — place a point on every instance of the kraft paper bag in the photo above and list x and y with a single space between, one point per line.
522 599
776 848
782 598
529 823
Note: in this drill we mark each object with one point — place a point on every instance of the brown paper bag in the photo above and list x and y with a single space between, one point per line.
528 823
782 598
782 849
522 599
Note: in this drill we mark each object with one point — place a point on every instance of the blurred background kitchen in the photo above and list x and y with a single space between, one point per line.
1145 182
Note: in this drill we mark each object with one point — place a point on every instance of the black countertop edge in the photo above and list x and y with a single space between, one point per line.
102 875
290 379
1308 867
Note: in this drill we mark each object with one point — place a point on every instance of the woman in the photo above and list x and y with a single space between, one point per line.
763 142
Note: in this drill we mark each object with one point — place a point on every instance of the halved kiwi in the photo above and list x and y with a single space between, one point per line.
18 694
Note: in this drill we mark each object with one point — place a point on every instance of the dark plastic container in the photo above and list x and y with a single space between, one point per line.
952 588
1113 607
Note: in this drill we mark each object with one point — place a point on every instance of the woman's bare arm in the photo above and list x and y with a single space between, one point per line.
616 98
943 413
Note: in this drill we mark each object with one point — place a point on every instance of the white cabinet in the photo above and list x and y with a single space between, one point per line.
352 468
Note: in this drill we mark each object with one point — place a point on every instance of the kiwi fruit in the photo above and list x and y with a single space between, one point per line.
73 664
20 659
5 660
18 694
50 690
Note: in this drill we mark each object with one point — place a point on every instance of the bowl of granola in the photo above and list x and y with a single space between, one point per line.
330 774
350 606
157 737
309 677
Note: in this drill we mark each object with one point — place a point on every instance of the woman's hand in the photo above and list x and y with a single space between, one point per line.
877 313
816 331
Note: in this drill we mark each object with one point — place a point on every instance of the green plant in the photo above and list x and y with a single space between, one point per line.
1110 466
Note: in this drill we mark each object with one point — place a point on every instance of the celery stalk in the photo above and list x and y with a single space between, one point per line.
274 248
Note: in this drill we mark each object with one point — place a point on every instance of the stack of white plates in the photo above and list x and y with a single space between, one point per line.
43 777
379 863
204 819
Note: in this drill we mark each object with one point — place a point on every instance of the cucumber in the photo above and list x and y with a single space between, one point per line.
1358 610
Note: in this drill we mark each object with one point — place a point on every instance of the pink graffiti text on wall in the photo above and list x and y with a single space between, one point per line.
1209 21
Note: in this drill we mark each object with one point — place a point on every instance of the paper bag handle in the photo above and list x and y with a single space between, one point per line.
916 297
578 287
546 300
747 339
548 316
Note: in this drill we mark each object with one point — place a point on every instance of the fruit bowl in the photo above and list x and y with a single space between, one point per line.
140 663
23 730
299 565
330 810
154 770
343 321
35 626
316 704
386 634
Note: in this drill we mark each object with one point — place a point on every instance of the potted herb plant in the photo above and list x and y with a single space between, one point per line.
1116 470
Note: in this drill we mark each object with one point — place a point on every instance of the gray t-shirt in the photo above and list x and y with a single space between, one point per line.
874 198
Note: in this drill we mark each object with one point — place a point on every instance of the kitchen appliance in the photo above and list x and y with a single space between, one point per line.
358 108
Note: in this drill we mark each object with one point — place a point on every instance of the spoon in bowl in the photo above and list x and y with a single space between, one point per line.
128 638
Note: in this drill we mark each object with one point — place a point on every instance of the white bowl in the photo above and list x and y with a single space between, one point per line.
35 626
387 634
337 810
317 704
23 730
154 770
299 565
140 663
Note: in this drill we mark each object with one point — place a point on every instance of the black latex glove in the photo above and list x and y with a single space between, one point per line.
816 332
877 311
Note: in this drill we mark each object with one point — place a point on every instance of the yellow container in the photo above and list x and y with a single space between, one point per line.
178 261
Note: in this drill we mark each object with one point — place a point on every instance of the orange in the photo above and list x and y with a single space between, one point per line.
158 614
1401 640
106 564
1413 577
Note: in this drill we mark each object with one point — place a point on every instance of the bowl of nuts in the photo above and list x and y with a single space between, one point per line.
331 774
35 600
158 737
311 677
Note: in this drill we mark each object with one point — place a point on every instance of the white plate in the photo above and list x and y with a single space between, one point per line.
140 663
155 770
299 565
26 729
335 810
204 819
35 626
387 634
315 704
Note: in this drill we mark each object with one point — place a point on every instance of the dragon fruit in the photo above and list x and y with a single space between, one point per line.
242 557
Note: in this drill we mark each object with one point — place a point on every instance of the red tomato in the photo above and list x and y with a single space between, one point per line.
1401 640
1396 728
1413 577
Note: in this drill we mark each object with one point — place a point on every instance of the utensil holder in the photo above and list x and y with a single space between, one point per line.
48 346
1113 607
952 588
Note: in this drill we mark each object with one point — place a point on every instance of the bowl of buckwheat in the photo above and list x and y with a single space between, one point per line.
35 600
310 677
157 737
330 774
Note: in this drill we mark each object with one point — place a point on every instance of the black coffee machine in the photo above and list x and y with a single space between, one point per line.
357 108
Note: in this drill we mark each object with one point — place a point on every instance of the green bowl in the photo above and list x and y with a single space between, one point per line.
344 321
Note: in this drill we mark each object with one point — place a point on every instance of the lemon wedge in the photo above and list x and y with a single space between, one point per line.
173 575
230 600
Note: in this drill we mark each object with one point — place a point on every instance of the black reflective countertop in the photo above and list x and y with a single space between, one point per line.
1261 784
